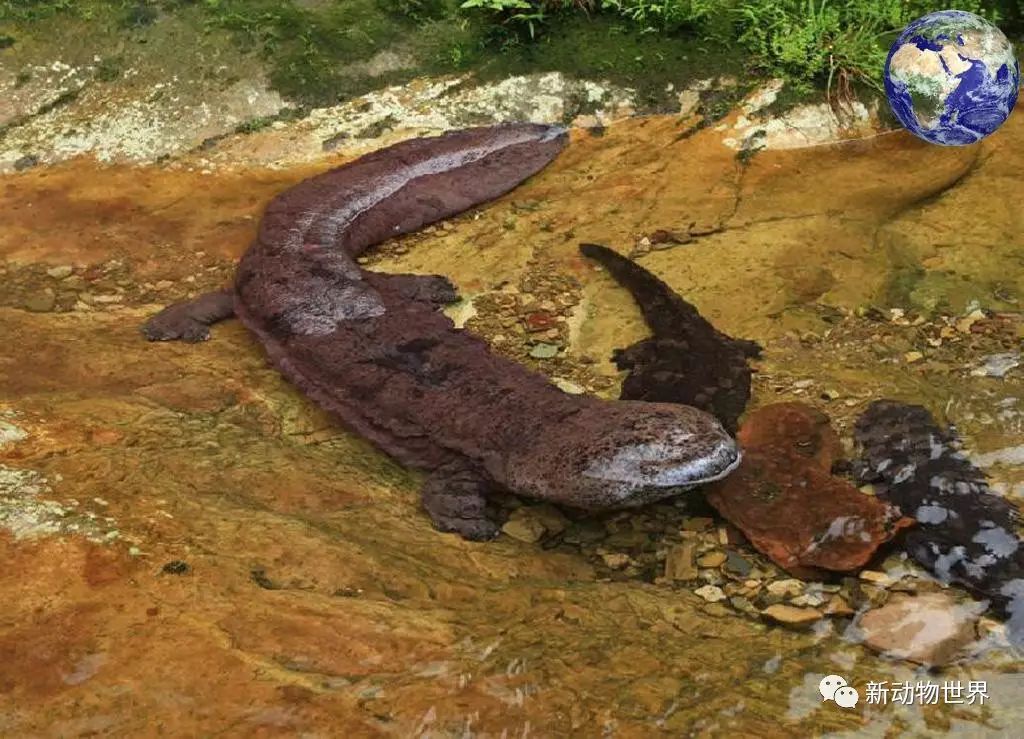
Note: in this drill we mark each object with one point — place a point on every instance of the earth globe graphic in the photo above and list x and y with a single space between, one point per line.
952 78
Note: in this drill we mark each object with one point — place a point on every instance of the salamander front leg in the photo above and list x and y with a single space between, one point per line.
190 320
455 500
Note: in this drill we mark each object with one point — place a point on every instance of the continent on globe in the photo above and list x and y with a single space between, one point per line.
952 78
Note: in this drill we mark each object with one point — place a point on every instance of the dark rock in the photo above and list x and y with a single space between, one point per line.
585 532
334 142
259 576
737 565
26 162
176 567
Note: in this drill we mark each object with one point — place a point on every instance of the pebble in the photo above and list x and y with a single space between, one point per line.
25 162
742 604
567 386
718 610
786 588
176 567
553 520
712 559
791 615
524 526
874 576
929 628
697 524
837 606
808 599
544 351
710 593
679 562
615 560
912 357
737 565
60 272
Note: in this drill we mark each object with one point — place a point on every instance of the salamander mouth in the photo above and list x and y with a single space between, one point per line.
674 481
737 457
647 466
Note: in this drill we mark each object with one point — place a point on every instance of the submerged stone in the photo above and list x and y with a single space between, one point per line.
524 526
679 562
929 628
792 615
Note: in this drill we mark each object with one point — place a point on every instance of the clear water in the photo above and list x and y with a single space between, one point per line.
318 601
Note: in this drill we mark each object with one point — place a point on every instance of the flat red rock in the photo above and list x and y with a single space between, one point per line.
784 498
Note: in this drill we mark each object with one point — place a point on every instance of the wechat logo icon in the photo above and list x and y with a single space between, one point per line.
834 688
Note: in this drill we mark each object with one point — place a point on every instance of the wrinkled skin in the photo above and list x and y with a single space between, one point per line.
965 533
376 352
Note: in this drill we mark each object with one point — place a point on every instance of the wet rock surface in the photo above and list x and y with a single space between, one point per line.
785 500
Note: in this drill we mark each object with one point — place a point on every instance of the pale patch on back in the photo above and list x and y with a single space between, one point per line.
319 311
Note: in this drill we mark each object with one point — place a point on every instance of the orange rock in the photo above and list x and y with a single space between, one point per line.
790 507
795 426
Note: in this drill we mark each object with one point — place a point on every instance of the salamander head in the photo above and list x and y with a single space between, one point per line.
624 453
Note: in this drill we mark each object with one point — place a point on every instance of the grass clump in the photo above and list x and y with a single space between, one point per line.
317 51
803 41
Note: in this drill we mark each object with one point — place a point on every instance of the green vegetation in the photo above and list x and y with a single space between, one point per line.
318 50
804 41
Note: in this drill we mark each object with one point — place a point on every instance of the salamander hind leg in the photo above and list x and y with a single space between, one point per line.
190 320
455 499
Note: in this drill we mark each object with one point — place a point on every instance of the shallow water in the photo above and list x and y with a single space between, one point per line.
318 601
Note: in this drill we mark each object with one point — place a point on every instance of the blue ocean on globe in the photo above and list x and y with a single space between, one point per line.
952 78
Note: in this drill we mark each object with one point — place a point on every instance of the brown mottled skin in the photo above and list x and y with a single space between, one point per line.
375 350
